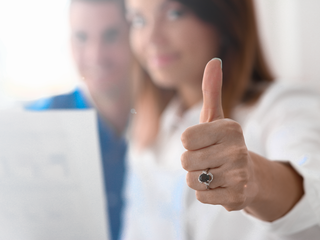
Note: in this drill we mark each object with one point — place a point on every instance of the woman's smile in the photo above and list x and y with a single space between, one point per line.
162 60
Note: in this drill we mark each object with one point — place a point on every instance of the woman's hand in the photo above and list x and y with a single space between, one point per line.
241 179
218 144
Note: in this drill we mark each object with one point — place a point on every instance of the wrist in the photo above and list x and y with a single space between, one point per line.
264 179
279 189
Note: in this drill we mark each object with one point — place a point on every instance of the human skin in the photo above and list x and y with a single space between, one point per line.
101 51
161 41
174 47
242 179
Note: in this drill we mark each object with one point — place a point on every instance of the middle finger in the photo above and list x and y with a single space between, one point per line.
210 157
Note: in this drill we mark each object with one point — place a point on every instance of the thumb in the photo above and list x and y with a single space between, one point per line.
211 90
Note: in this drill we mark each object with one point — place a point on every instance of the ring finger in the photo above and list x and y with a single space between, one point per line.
217 181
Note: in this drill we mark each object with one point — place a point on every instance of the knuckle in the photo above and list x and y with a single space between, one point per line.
240 198
242 155
238 155
228 208
233 126
238 128
243 177
243 152
237 202
232 208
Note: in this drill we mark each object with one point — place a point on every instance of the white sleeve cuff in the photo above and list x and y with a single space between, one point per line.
301 217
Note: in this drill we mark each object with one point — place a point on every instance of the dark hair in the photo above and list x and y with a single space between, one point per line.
96 1
246 72
121 2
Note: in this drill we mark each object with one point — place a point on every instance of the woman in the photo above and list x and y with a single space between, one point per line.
277 190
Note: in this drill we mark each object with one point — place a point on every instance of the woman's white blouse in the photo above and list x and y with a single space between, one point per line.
284 126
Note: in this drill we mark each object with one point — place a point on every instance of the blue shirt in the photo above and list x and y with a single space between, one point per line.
112 148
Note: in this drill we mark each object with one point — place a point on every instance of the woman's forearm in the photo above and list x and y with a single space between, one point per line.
280 187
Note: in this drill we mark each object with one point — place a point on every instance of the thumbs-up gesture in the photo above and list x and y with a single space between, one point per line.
219 165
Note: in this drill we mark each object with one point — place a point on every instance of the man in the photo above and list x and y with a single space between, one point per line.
100 47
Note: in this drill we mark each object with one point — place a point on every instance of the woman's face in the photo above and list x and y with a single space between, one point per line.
170 42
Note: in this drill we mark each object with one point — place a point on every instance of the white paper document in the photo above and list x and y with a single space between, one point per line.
51 185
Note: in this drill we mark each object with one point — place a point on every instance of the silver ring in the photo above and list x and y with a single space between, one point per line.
206 178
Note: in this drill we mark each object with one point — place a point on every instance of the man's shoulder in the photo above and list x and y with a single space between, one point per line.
71 100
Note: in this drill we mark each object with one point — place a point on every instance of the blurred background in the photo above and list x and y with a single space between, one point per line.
289 30
35 59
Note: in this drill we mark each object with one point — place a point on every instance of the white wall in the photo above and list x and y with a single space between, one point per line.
34 48
290 31
309 29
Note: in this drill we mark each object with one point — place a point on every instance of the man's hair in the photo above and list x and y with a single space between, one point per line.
120 2
92 0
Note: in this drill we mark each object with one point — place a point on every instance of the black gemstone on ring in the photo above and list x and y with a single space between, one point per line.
204 178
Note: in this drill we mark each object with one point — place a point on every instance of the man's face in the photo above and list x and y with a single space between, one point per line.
100 45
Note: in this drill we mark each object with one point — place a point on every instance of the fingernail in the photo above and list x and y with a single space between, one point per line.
219 60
